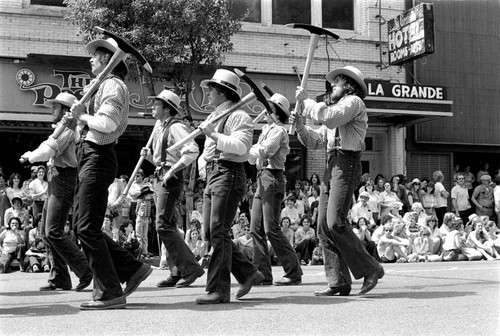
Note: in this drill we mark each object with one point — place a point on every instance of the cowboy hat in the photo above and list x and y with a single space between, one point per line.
63 98
170 98
109 44
224 78
364 194
351 72
145 191
281 103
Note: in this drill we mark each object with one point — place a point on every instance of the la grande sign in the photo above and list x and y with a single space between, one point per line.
397 90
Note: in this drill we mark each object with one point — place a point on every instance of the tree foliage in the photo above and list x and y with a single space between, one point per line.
175 36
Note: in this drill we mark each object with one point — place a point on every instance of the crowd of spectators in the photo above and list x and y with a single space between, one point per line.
397 219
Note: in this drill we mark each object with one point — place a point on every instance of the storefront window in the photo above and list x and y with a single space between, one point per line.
338 14
291 11
253 6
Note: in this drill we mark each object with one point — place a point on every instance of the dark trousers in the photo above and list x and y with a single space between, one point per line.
61 250
342 249
110 263
226 182
180 259
266 209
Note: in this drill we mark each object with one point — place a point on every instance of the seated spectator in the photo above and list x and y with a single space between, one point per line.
452 245
317 256
17 210
363 210
373 203
389 247
436 237
285 228
494 234
410 221
291 212
379 231
387 198
197 246
305 240
107 226
422 247
479 240
128 240
194 224
395 210
449 218
12 245
421 215
239 225
36 256
197 213
400 232
363 232
245 243
314 195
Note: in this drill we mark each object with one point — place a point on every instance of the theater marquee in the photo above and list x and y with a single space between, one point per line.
411 34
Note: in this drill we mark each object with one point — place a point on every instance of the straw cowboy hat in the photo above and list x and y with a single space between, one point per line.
351 72
281 103
170 98
63 98
224 78
108 43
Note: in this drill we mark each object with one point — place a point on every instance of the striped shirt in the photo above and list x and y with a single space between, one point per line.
348 114
235 139
275 142
177 132
111 101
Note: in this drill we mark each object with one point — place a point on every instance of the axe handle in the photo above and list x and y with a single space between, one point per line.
313 42
258 118
245 100
117 57
136 169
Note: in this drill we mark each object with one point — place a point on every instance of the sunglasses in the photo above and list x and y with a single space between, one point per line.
388 230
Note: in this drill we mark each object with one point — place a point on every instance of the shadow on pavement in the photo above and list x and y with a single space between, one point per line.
42 310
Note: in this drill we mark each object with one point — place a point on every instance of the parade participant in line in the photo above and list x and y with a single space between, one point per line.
100 124
61 250
269 155
226 149
346 115
169 186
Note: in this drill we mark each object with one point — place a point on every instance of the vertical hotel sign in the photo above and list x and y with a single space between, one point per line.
411 34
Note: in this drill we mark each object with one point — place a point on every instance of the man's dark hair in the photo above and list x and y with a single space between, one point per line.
121 69
230 94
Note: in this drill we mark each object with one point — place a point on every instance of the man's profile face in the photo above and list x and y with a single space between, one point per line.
99 61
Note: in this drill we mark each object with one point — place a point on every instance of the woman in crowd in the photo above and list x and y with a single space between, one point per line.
38 190
314 181
17 210
435 236
239 225
374 201
128 240
196 245
422 247
15 187
379 183
452 244
441 196
12 245
361 230
305 240
397 186
387 198
291 212
414 191
479 240
427 196
197 213
287 231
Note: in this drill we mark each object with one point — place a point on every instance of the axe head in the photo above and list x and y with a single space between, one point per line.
261 97
313 29
126 47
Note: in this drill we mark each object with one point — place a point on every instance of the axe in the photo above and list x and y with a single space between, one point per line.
245 100
316 32
124 48
258 93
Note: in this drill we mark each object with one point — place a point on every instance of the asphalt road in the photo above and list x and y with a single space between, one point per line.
458 298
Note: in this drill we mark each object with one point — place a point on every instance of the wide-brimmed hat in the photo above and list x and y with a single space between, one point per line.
108 43
170 98
16 198
145 191
485 177
64 98
282 103
224 78
351 72
415 180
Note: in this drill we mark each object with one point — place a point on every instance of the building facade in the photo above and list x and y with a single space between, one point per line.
41 54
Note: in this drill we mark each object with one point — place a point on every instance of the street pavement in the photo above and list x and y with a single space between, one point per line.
456 298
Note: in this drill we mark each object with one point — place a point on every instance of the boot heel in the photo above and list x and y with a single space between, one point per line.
345 292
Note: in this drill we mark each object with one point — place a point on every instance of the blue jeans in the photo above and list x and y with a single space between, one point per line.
226 182
342 249
266 208
110 263
61 250
180 259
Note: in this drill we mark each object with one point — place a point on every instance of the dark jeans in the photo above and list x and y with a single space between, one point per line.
226 183
440 215
110 263
266 208
342 249
61 250
306 248
464 215
180 259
